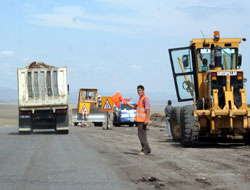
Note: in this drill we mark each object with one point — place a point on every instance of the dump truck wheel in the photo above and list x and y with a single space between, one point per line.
24 132
115 120
189 127
98 124
175 123
118 124
246 139
62 132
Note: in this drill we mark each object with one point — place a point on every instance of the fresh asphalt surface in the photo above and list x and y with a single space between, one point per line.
45 160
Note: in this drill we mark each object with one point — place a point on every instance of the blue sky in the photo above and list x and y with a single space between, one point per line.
114 45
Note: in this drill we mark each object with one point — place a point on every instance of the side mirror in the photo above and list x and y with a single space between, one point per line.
239 60
68 89
185 60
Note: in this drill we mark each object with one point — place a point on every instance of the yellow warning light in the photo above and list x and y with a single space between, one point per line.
240 77
216 35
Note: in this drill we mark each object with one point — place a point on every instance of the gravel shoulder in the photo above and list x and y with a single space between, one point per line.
224 165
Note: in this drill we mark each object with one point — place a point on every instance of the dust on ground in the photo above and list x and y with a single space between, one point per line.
8 114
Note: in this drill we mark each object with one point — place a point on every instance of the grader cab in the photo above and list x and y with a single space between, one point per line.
95 115
208 73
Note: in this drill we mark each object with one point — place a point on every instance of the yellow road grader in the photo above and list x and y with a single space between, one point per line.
208 73
95 115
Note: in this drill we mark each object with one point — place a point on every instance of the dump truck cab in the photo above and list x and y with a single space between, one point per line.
208 73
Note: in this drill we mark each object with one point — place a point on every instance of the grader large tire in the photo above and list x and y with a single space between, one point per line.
246 137
189 127
175 123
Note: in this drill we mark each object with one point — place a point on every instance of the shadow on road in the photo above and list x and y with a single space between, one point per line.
220 143
166 141
35 133
211 143
131 153
171 142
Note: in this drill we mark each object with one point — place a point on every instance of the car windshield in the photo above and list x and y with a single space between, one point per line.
228 58
126 107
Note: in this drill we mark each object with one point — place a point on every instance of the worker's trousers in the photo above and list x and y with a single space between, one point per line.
168 127
142 134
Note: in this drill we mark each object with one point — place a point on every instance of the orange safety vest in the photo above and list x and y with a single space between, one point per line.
140 115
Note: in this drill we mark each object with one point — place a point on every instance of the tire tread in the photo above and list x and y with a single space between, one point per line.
189 125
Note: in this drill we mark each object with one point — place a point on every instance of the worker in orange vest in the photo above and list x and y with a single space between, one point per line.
142 119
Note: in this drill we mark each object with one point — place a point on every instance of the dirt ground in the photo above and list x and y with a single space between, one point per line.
220 166
8 114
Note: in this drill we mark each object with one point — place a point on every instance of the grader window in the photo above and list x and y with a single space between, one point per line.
228 58
203 59
89 95
185 85
182 61
94 96
83 94
183 72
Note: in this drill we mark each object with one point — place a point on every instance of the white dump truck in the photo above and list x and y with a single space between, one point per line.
43 98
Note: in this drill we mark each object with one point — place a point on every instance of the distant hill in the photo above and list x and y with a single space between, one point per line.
8 95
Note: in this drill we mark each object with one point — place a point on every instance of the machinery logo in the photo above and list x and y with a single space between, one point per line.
227 73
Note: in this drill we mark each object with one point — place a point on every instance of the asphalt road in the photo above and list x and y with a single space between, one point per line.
45 160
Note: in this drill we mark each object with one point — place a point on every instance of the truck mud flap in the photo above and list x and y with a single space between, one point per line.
24 122
62 123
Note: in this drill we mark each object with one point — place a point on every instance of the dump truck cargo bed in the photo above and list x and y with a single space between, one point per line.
42 97
42 87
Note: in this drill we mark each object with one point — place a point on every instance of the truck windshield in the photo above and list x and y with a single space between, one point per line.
228 58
